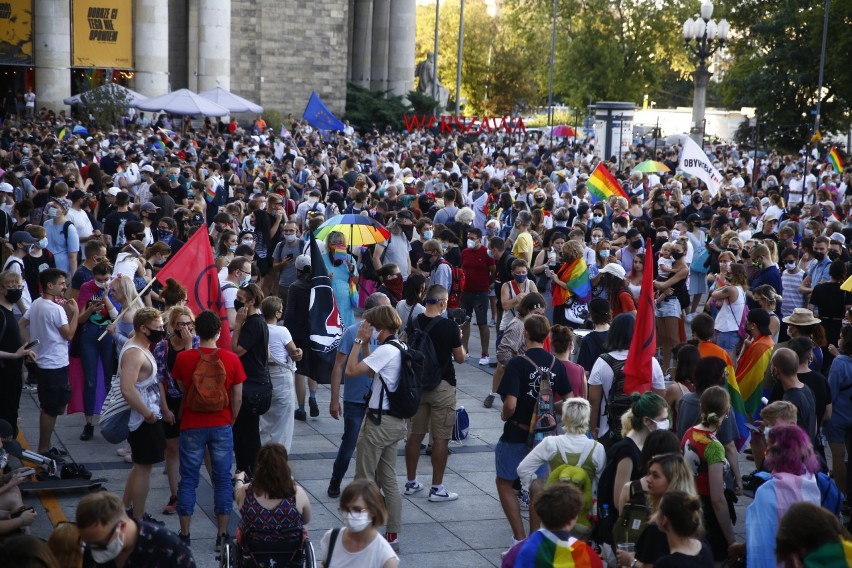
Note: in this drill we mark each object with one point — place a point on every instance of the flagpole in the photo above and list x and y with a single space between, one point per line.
125 309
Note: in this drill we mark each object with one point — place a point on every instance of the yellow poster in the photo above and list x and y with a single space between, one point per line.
102 33
16 32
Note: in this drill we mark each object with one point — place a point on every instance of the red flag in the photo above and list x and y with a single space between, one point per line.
194 268
643 346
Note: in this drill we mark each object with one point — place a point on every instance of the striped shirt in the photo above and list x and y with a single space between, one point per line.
790 291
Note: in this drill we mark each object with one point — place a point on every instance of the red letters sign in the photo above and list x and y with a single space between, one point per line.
465 124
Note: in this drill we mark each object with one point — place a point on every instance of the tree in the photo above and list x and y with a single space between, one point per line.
775 67
365 108
106 104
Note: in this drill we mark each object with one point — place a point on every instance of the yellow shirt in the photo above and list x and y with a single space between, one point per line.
523 247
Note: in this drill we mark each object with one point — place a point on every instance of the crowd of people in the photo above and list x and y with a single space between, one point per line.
752 324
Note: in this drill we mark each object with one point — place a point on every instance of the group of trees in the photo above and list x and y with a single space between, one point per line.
624 49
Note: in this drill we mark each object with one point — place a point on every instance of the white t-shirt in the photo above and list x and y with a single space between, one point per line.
279 337
45 318
385 360
228 294
373 556
81 223
602 375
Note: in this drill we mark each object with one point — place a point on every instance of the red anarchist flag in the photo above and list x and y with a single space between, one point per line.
643 346
194 268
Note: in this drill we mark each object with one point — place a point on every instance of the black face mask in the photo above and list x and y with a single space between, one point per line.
408 231
833 255
636 245
820 256
238 305
660 241
677 255
156 335
12 296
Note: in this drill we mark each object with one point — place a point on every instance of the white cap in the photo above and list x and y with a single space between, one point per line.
302 261
114 191
615 269
6 188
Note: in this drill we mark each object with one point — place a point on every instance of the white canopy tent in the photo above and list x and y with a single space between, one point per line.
183 101
230 101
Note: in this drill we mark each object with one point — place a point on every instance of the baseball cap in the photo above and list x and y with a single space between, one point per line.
6 188
77 194
303 261
760 317
615 269
114 191
22 237
148 206
147 168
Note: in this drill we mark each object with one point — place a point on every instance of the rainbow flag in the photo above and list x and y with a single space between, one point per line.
709 349
167 135
64 133
602 185
544 549
209 193
750 371
576 275
835 160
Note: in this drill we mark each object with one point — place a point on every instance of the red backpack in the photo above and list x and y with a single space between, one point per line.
456 286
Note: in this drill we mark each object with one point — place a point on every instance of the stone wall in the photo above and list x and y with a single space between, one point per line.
281 50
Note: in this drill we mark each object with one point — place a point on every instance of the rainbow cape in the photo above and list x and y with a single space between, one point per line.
543 549
602 185
835 160
708 349
576 275
750 370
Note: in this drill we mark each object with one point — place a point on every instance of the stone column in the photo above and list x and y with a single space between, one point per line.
362 42
52 46
401 47
151 47
380 46
214 44
178 44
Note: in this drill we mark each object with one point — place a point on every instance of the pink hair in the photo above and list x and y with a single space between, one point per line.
790 451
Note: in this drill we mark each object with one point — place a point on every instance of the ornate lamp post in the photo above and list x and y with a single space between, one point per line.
703 37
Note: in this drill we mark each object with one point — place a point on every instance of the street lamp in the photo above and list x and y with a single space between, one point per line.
703 37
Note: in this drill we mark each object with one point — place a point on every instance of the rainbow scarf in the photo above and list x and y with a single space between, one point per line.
576 275
709 349
602 185
835 160
543 549
209 193
831 555
750 371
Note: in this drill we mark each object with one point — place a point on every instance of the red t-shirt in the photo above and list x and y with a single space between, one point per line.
182 372
624 303
476 265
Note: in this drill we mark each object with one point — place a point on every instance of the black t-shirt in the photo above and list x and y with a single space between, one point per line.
590 349
114 226
33 266
254 338
518 382
704 559
819 387
81 276
445 337
652 544
156 547
10 340
416 252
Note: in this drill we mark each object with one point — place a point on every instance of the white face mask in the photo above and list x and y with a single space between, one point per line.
471 243
596 240
791 266
355 522
662 424
111 552
675 234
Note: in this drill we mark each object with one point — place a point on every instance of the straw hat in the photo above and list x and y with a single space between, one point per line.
802 316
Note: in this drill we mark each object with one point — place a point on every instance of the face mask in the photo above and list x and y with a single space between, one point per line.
675 234
427 235
636 245
165 236
696 200
102 285
791 266
156 335
833 255
490 254
232 248
757 263
238 305
160 262
596 240
597 219
13 296
312 182
248 242
808 232
604 254
820 256
677 255
520 278
51 213
42 243
725 265
471 243
173 178
111 552
662 424
290 238
357 522
445 247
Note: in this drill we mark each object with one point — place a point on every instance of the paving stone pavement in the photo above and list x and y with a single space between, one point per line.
470 532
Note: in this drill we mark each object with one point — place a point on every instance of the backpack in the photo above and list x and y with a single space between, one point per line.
634 516
461 428
580 474
419 340
543 420
208 393
617 401
405 400
830 496
456 286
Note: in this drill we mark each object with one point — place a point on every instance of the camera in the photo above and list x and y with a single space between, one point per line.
458 315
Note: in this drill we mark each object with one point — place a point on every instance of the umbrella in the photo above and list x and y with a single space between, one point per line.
80 129
362 231
563 130
650 166
231 101
183 101
131 96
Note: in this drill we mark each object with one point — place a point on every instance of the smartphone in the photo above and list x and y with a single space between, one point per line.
26 472
20 512
32 344
289 257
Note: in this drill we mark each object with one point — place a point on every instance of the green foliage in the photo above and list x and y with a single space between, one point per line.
274 119
107 104
365 108
422 104
776 67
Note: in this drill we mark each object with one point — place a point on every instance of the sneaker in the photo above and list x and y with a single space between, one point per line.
52 455
334 488
221 540
412 487
125 451
492 323
171 508
153 520
489 400
128 458
485 360
185 539
514 542
312 402
300 415
393 540
58 451
524 499
88 432
444 495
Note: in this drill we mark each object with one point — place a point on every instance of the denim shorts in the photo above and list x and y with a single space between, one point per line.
507 458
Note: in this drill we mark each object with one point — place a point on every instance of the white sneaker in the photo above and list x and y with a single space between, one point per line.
514 542
412 487
436 497
124 451
485 360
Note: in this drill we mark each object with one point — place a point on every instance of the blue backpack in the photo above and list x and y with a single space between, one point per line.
830 496
462 426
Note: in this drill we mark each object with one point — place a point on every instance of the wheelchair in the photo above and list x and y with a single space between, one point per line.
292 549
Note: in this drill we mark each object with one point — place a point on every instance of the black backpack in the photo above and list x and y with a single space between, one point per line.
419 340
617 401
405 400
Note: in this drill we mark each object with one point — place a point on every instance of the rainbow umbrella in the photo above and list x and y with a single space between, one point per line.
650 166
361 231
563 131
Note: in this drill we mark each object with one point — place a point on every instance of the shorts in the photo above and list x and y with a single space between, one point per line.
303 366
264 265
148 443
437 413
54 390
834 434
507 458
476 302
172 431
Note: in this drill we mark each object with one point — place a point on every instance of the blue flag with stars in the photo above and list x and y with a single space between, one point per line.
318 115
